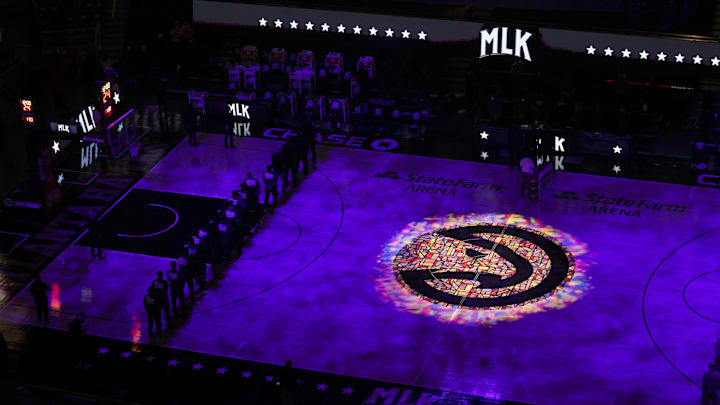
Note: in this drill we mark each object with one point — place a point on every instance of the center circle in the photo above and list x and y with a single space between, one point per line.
484 266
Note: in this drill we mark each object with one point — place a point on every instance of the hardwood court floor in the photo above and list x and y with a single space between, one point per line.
636 324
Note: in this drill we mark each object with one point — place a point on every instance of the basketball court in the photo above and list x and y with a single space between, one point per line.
422 271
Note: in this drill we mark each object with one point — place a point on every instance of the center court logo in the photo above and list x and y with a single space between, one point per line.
481 268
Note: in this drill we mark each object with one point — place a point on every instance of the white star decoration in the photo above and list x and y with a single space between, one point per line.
484 155
373 31
246 374
269 378
173 362
590 50
616 169
626 53
263 22
643 54
715 61
341 28
60 179
221 370
679 58
322 387
325 27
120 127
357 29
405 34
484 135
56 146
608 51
617 149
197 366
124 355
103 350
116 97
293 24
348 391
389 32
309 26
697 59
422 35
278 23
661 56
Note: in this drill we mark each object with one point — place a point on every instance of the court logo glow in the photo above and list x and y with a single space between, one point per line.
481 268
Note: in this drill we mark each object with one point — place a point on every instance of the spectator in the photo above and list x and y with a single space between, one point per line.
710 385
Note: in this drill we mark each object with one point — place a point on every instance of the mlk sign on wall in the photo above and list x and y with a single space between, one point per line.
505 41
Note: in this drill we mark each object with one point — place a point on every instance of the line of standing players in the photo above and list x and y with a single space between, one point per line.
216 243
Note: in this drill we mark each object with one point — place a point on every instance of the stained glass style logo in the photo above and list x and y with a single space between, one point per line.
481 268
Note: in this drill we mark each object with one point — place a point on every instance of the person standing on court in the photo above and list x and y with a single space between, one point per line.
302 148
291 161
252 188
160 286
39 290
191 124
186 275
280 168
270 180
177 293
229 137
527 165
96 235
710 385
153 311
308 132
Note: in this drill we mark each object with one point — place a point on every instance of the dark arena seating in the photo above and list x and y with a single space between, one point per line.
397 202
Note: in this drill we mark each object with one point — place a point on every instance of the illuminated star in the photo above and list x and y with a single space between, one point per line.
246 374
348 391
341 28
103 350
389 32
322 387
484 155
293 24
373 31
60 178
715 61
56 146
116 97
325 27
484 135
661 56
617 149
697 59
125 355
173 362
221 370
309 26
643 54
679 58
616 169
197 366
278 23
121 126
590 50
263 22
269 378
357 29
626 53
422 35
608 51
405 34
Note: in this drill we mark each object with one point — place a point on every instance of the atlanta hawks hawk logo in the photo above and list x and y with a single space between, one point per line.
484 266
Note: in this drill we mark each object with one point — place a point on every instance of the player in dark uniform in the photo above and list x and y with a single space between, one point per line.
177 292
160 288
153 311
